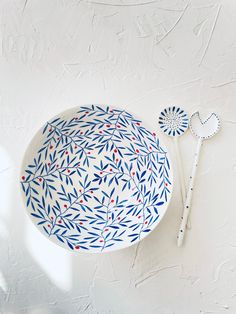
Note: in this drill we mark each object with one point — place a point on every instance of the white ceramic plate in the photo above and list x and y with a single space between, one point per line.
94 179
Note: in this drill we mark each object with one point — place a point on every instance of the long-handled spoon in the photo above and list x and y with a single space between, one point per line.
173 121
202 130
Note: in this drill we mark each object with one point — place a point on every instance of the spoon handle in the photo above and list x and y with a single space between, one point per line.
180 170
181 175
187 205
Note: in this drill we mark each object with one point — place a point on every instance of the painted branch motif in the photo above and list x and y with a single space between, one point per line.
98 180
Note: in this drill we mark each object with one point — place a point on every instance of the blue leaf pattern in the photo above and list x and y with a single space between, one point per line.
97 146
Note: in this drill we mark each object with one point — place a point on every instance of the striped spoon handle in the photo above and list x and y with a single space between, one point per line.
187 205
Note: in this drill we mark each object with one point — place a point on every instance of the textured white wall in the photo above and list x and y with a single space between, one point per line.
55 54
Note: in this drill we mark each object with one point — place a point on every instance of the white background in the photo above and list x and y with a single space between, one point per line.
55 54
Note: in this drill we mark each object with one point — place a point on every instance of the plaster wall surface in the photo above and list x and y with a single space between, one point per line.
141 55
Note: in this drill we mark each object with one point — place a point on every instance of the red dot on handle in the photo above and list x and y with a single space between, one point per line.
65 205
100 240
108 125
100 172
67 152
112 201
137 150
81 223
49 164
118 218
81 201
51 146
59 221
138 123
146 222
50 130
40 179
23 177
154 134
77 247
115 151
106 229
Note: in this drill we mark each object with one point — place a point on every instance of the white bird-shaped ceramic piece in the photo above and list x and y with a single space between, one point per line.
204 128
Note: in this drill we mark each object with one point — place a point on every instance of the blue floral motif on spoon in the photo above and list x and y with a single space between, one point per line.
173 121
